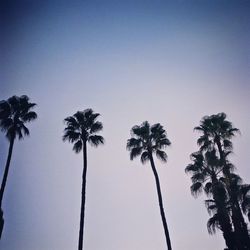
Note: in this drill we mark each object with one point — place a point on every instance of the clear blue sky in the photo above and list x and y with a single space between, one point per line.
163 61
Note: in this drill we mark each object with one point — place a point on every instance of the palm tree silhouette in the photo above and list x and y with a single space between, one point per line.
217 133
205 171
14 113
82 128
148 140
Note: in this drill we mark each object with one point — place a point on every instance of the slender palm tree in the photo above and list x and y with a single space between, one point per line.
206 171
14 113
148 140
217 133
81 128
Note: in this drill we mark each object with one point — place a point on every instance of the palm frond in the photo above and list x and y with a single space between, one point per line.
197 157
27 117
198 176
71 135
78 146
192 168
228 167
213 224
203 140
144 157
96 127
25 130
162 142
80 118
161 155
5 124
133 142
208 188
134 152
19 132
96 140
199 129
196 189
5 109
71 121
14 102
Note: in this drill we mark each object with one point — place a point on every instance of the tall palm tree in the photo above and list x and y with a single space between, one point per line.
14 113
148 140
81 128
217 133
206 170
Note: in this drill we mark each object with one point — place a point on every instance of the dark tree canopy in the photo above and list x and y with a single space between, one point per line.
146 140
14 113
81 128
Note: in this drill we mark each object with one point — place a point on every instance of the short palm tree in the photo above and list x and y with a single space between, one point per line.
14 114
217 133
81 128
148 140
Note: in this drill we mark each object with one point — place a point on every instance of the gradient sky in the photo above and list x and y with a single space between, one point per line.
163 61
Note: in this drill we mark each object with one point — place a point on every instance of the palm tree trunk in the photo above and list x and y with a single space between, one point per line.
164 222
6 171
240 227
224 217
80 242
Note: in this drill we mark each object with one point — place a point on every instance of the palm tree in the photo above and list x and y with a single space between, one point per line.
205 171
81 128
148 140
238 205
14 113
217 133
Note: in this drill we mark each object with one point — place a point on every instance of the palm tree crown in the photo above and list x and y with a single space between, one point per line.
14 113
81 128
216 130
205 169
146 140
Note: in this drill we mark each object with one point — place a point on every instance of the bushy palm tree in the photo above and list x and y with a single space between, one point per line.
148 140
206 170
217 133
14 114
81 128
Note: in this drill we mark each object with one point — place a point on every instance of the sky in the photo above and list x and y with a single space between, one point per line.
163 61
